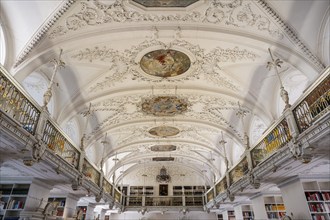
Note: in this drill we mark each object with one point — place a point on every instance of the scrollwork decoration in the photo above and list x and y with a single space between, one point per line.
235 13
123 64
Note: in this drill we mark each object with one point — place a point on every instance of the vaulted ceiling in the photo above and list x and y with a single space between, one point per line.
164 80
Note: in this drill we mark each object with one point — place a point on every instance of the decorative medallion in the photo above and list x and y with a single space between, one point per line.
162 148
164 131
165 3
165 63
163 159
164 106
163 176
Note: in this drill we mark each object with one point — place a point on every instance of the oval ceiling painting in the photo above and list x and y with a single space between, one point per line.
163 148
165 3
164 131
164 105
165 63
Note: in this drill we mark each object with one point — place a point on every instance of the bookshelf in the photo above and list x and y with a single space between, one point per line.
188 190
60 201
247 212
149 191
193 195
136 193
274 206
12 200
83 212
231 215
318 199
220 217
177 191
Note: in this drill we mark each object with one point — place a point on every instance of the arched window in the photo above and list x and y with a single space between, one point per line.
36 85
256 129
2 45
294 83
71 129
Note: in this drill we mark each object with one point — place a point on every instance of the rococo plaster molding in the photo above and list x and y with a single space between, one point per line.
40 34
211 110
235 14
124 64
218 12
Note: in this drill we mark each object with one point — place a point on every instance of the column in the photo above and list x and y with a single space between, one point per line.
238 212
70 206
90 211
102 214
36 200
294 199
260 211
225 215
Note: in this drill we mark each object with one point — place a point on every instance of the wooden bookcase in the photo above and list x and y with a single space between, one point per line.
188 190
135 198
12 200
318 199
274 207
193 194
177 191
149 191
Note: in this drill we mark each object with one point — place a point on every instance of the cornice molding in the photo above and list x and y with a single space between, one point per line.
291 34
40 34
216 6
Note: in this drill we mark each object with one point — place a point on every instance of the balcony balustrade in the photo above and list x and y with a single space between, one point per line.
18 105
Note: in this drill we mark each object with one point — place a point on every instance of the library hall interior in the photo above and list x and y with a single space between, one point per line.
164 110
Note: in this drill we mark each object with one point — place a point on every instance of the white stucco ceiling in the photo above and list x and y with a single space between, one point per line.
226 41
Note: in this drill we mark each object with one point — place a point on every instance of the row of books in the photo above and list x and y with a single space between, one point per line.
316 207
247 214
271 207
281 214
5 191
20 191
313 196
326 196
272 215
62 203
318 217
14 204
317 196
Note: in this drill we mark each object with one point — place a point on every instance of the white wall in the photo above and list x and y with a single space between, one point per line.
294 200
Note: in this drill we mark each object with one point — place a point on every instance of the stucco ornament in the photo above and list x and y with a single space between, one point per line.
123 65
236 14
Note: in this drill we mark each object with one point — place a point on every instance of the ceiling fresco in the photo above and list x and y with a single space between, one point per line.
164 131
165 78
164 106
163 159
165 3
165 63
162 148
